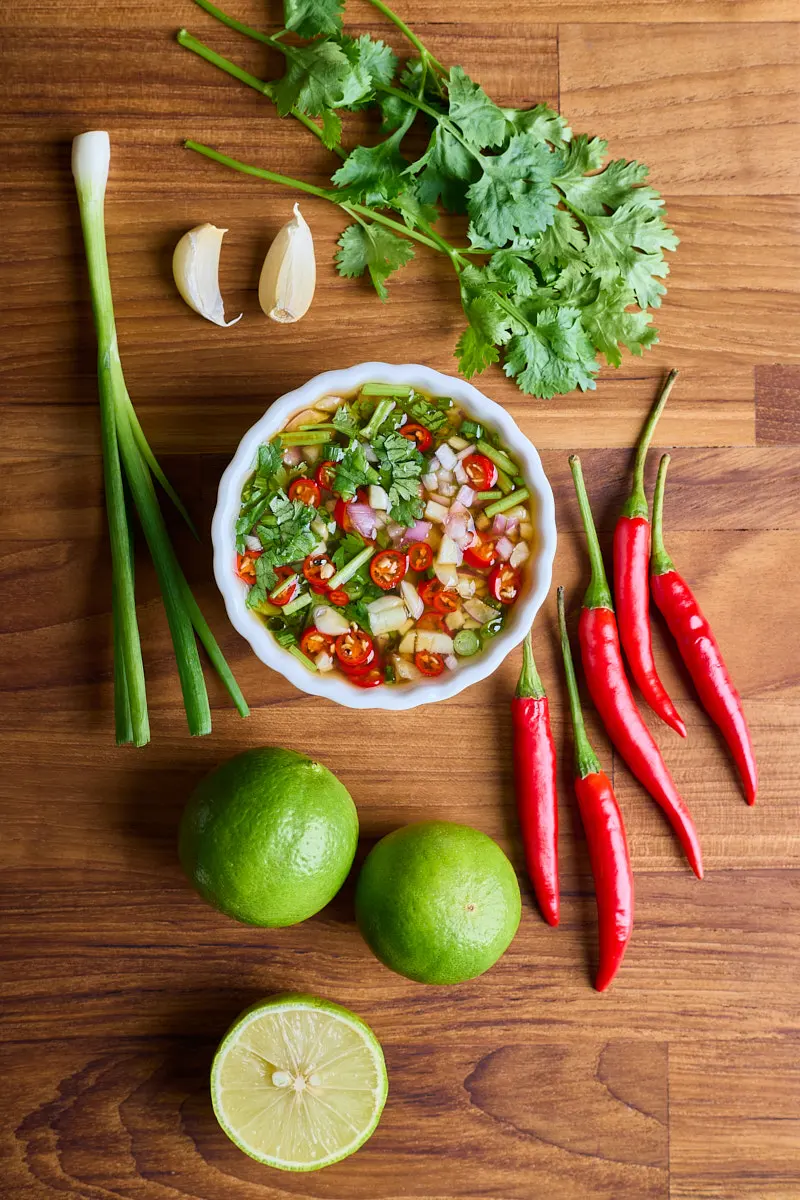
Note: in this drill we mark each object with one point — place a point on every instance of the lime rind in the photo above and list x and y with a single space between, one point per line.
284 1006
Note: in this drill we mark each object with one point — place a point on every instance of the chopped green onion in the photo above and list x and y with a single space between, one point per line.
471 430
401 390
499 506
466 643
504 483
349 569
298 438
494 494
319 425
380 414
295 605
518 481
500 459
288 582
298 654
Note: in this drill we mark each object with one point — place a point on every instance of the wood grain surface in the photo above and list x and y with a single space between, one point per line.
117 981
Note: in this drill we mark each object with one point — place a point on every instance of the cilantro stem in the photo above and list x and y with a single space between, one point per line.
190 42
352 210
240 27
424 52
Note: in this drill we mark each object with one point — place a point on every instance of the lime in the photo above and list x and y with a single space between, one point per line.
298 1083
437 902
269 837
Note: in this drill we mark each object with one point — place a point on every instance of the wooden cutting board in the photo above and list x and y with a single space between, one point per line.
118 981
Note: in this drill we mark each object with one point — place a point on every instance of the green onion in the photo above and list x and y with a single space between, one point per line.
504 483
295 605
288 582
298 654
511 501
401 390
349 569
494 494
319 425
298 438
125 449
500 459
380 414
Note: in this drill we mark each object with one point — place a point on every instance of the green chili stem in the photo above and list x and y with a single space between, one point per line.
586 761
530 685
660 561
636 504
598 593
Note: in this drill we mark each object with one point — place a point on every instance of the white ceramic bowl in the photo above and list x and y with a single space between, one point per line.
234 591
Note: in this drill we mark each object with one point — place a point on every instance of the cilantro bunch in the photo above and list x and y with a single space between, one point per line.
565 254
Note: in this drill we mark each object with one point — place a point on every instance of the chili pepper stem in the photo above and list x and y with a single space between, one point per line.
598 593
636 504
586 761
660 561
529 682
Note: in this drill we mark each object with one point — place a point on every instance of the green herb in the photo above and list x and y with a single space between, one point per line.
421 410
401 467
574 247
286 537
344 421
500 506
125 450
353 471
350 545
350 568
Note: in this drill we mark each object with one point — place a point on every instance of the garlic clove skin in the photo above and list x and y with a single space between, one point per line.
289 275
195 268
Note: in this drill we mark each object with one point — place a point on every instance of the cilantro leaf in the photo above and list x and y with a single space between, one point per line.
269 459
425 413
561 243
482 123
541 122
319 76
375 174
344 421
374 57
620 181
401 466
353 471
350 545
474 353
510 268
609 323
374 249
312 17
514 199
331 129
446 170
552 356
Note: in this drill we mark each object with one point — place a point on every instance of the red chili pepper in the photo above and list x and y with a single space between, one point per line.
699 648
535 775
339 597
432 621
631 593
611 693
284 592
504 583
422 437
313 642
482 552
420 556
387 568
313 565
446 602
325 474
605 834
369 679
480 471
305 490
246 565
354 648
428 663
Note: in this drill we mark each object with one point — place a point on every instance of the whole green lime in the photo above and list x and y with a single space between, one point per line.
269 837
438 902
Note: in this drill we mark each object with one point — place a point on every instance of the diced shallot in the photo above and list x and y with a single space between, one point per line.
378 497
451 662
448 489
362 518
418 532
460 525
323 661
461 474
446 456
504 548
499 524
466 495
292 455
252 543
430 482
462 454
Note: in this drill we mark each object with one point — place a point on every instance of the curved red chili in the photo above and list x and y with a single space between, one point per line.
631 593
611 692
605 834
535 777
699 648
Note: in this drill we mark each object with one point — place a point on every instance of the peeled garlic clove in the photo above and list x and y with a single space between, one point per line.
289 274
195 266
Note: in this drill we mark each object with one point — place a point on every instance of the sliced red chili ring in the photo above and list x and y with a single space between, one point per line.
286 594
445 601
420 556
428 663
325 474
433 621
370 679
246 565
339 597
419 434
312 569
314 642
387 568
482 553
504 583
428 591
306 490
354 648
480 471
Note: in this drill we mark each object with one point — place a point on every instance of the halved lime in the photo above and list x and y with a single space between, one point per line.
298 1083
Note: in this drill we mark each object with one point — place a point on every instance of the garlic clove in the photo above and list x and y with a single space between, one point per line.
289 274
195 267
